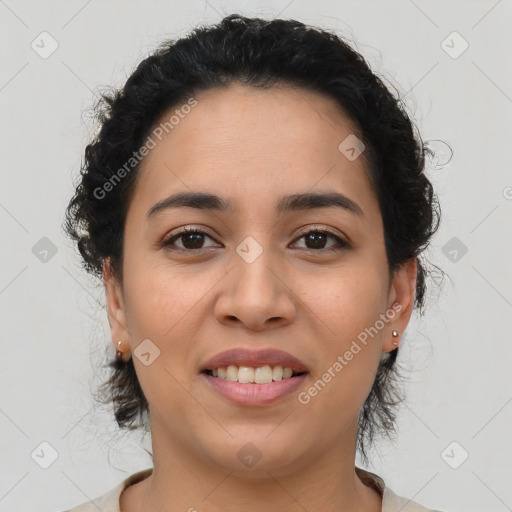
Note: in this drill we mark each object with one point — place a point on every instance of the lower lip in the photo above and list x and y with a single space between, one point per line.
255 394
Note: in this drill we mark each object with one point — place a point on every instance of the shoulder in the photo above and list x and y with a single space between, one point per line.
391 502
109 502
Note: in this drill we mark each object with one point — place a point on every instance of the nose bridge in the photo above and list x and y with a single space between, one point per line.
254 273
255 293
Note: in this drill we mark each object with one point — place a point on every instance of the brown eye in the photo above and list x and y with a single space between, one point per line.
195 240
316 240
192 239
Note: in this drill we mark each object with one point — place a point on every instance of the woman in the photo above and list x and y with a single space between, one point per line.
256 206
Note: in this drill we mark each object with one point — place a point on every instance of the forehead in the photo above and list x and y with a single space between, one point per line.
240 142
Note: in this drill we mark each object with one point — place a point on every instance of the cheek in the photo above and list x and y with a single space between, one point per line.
346 308
165 307
167 303
157 303
348 300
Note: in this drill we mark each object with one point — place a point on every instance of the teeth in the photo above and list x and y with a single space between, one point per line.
277 373
287 373
246 374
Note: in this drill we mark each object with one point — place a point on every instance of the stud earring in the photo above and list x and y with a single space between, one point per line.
395 335
119 354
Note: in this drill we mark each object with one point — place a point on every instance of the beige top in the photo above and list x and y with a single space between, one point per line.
109 502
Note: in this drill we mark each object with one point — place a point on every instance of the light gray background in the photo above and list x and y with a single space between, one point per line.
54 331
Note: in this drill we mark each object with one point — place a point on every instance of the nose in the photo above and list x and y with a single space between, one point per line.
257 294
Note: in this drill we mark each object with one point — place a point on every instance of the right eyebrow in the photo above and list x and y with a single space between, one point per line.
200 200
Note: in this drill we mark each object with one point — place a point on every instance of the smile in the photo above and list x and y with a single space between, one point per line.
253 393
258 375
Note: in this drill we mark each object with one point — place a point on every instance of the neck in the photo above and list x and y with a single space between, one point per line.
184 479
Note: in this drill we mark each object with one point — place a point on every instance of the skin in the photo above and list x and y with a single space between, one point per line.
252 147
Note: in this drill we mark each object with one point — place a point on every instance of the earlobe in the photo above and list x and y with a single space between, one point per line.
401 302
395 334
115 306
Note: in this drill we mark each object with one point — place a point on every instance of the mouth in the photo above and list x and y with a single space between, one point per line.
253 375
239 386
259 366
254 378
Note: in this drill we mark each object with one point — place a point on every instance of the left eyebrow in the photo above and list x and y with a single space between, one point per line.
294 202
311 200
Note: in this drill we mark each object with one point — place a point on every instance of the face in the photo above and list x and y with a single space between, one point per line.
308 280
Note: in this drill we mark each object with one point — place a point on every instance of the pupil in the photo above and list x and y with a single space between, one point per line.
317 238
196 239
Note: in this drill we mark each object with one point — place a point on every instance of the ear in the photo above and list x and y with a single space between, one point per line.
115 306
403 292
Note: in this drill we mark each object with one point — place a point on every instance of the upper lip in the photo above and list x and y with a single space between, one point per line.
254 358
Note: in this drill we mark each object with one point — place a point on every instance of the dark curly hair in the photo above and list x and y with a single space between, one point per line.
261 54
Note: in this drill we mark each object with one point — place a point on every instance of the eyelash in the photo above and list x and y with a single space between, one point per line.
168 242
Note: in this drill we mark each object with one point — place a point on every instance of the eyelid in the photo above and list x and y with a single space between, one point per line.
189 228
323 229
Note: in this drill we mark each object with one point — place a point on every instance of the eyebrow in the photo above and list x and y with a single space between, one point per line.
294 202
